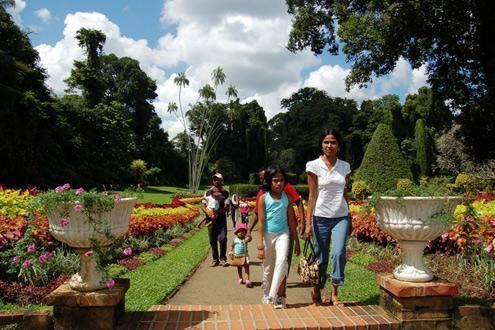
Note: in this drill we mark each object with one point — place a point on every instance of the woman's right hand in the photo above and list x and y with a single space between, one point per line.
261 254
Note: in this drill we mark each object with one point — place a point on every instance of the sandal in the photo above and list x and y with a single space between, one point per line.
335 301
316 296
249 284
241 281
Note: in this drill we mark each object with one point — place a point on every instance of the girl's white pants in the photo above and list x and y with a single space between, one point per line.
275 263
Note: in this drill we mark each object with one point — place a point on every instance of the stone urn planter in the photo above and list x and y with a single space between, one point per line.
80 231
411 220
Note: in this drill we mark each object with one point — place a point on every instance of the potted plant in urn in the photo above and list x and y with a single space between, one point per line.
414 215
89 222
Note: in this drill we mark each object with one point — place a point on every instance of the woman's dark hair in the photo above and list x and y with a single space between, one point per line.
330 131
270 172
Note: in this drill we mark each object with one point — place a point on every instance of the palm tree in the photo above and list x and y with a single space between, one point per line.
218 77
232 92
207 93
181 81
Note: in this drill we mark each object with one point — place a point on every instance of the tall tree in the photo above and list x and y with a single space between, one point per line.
26 121
454 39
86 75
309 112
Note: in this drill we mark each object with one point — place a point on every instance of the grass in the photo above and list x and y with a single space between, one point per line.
6 307
153 282
160 195
360 284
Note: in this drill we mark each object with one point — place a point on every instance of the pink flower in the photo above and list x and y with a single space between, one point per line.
127 251
117 198
110 283
88 253
79 191
62 188
469 219
45 257
63 222
77 208
16 259
27 263
31 248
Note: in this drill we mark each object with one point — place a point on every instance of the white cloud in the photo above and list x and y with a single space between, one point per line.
247 39
44 14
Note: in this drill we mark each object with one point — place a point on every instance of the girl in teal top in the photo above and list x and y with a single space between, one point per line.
275 223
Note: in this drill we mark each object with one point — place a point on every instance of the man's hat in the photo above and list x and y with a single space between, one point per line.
218 175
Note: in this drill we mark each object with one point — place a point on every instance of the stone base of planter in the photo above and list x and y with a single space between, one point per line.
427 305
100 309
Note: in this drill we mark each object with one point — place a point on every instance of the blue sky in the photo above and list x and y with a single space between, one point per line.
246 38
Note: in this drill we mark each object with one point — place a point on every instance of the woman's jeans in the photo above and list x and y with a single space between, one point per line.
334 231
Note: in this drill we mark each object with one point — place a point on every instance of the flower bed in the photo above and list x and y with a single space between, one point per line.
32 262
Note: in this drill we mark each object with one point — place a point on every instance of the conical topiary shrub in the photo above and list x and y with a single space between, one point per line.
383 163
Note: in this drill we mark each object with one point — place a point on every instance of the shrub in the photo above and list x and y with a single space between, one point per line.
303 177
383 162
244 189
360 190
147 257
254 178
115 270
302 189
422 143
466 182
291 178
404 184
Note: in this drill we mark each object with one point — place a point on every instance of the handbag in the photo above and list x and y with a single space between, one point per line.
309 266
239 260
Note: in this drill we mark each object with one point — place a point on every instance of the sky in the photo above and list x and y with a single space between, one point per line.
246 38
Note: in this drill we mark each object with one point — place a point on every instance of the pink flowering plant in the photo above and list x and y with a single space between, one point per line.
63 200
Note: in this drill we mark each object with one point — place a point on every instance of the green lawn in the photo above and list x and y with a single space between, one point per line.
160 195
153 282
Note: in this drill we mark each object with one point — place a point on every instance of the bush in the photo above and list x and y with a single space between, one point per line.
360 190
241 189
467 182
254 178
383 162
291 178
302 189
404 184
303 177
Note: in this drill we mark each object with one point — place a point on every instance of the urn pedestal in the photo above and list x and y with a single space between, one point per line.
409 220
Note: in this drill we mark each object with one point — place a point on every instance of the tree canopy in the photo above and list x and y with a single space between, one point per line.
454 39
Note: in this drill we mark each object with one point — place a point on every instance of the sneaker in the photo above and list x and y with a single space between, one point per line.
266 300
279 303
224 263
249 284
241 281
214 263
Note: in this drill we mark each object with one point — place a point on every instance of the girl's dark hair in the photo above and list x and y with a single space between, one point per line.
330 131
270 172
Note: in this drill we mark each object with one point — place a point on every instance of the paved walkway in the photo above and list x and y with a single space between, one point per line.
213 299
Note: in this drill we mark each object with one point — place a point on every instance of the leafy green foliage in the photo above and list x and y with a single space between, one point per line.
452 39
244 189
422 143
360 189
383 163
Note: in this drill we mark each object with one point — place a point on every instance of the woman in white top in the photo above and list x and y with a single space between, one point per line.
328 219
